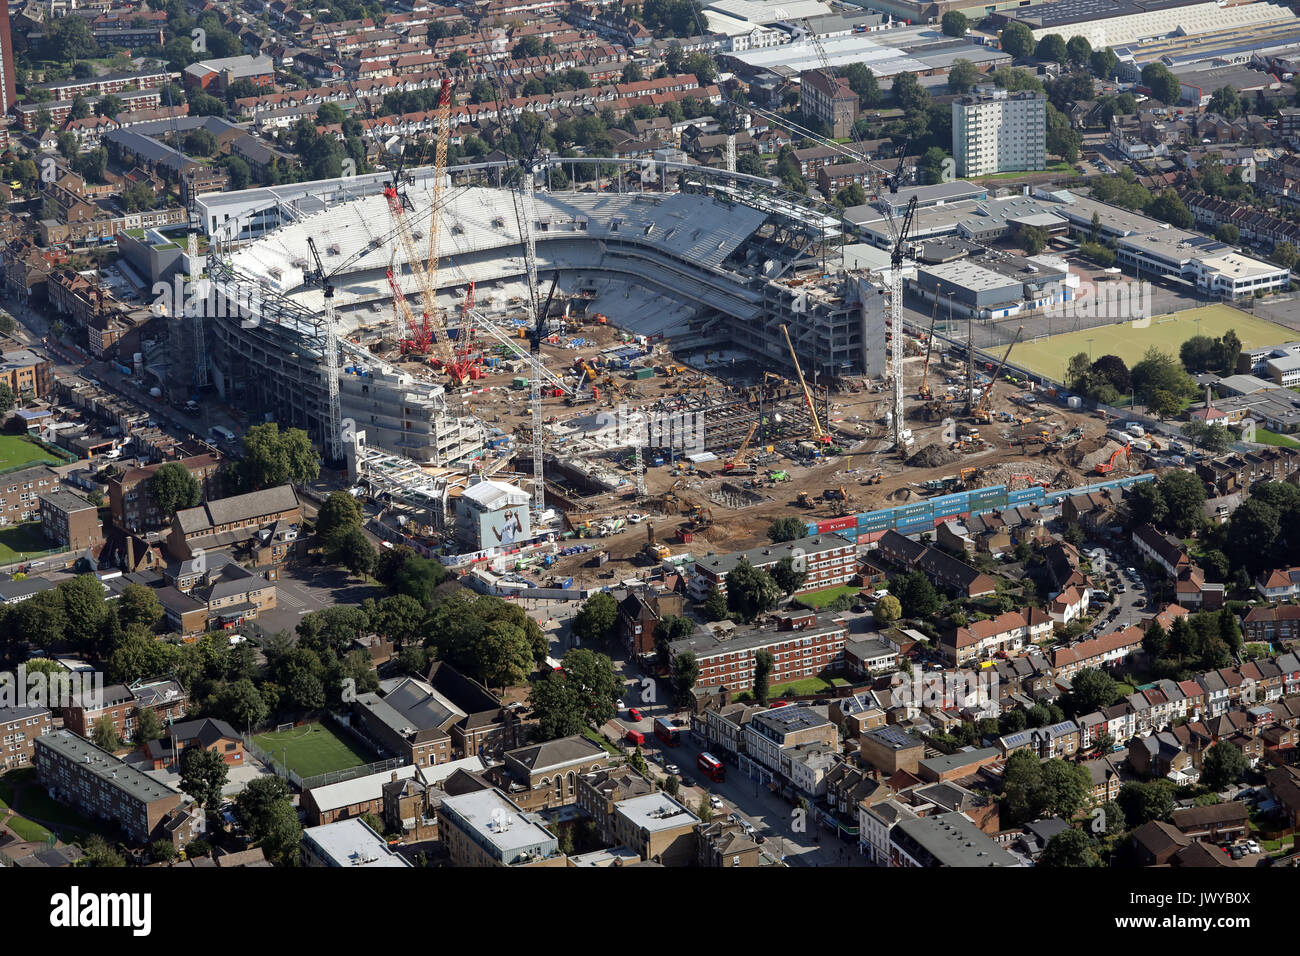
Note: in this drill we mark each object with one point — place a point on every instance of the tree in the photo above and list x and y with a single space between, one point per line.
203 774
851 195
1184 495
1091 690
598 685
715 606
750 591
1017 40
1023 798
637 762
908 92
1160 372
356 553
104 735
1067 787
1225 102
763 664
1155 642
1111 370
85 609
1076 374
149 727
954 24
596 620
337 516
556 706
1078 51
703 810
1222 765
1033 239
1285 255
265 811
1213 438
1162 83
686 671
915 593
398 617
1228 233
863 82
1052 48
505 654
199 142
786 577
964 74
138 606
887 610
330 114
274 457
1168 207
932 166
1070 848
1144 802
97 851
173 487
786 529
242 704
1102 63
632 73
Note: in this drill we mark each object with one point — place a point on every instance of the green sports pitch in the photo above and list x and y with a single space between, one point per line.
312 749
17 451
1049 357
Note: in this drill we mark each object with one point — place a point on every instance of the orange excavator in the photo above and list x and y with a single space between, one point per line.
1106 467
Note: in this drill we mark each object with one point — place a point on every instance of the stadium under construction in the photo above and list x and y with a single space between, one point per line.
722 262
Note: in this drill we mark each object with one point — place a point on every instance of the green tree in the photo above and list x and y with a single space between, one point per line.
598 685
887 610
1168 207
1067 787
1079 51
954 24
596 620
149 727
1143 802
557 707
787 529
1184 496
1017 40
714 607
863 82
98 853
1069 848
1162 83
397 617
339 515
273 457
266 812
1225 102
908 92
356 553
1052 48
1102 63
964 74
104 735
203 774
330 114
242 704
685 671
750 591
786 577
1091 690
764 662
1285 255
85 608
138 605
173 487
915 593
1222 765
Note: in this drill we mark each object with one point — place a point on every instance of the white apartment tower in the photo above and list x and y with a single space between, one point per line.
994 131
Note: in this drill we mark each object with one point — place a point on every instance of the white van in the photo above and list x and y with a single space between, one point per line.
225 434
1133 428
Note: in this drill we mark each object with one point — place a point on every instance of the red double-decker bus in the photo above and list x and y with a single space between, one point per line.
711 767
666 732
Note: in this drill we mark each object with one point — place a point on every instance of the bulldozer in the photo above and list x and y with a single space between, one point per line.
803 500
875 479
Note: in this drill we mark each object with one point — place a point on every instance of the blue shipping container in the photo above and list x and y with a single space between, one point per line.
1028 494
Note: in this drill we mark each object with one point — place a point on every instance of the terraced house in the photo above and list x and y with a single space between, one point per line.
1005 634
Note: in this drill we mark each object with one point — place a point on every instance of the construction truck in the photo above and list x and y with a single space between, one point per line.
803 500
652 549
875 479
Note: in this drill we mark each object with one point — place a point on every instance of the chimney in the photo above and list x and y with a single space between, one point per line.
394 780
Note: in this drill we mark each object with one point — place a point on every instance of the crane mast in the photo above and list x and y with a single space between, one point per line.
333 405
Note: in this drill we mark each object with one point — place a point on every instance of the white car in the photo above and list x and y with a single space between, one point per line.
1251 846
715 801
635 518
672 768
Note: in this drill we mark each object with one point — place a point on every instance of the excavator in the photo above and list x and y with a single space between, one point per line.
1106 467
652 549
981 414
929 347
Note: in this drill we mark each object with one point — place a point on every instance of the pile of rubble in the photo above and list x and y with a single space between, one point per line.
1002 474
932 456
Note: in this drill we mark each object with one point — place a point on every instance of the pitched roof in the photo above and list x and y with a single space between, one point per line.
254 504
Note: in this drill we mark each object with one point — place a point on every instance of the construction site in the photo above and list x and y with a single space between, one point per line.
694 355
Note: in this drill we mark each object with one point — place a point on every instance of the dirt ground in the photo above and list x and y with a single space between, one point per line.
1004 461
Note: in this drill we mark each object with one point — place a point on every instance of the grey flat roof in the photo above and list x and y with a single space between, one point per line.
90 759
954 840
962 758
498 821
352 843
721 564
656 811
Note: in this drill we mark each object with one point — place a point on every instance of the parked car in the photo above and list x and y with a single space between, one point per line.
672 768
1252 846
715 802
635 714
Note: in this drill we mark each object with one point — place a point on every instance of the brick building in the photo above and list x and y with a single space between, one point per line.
829 100
19 728
802 644
70 521
77 772
131 504
20 493
122 705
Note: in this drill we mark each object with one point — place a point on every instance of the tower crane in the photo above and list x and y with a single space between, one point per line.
442 132
902 434
333 411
